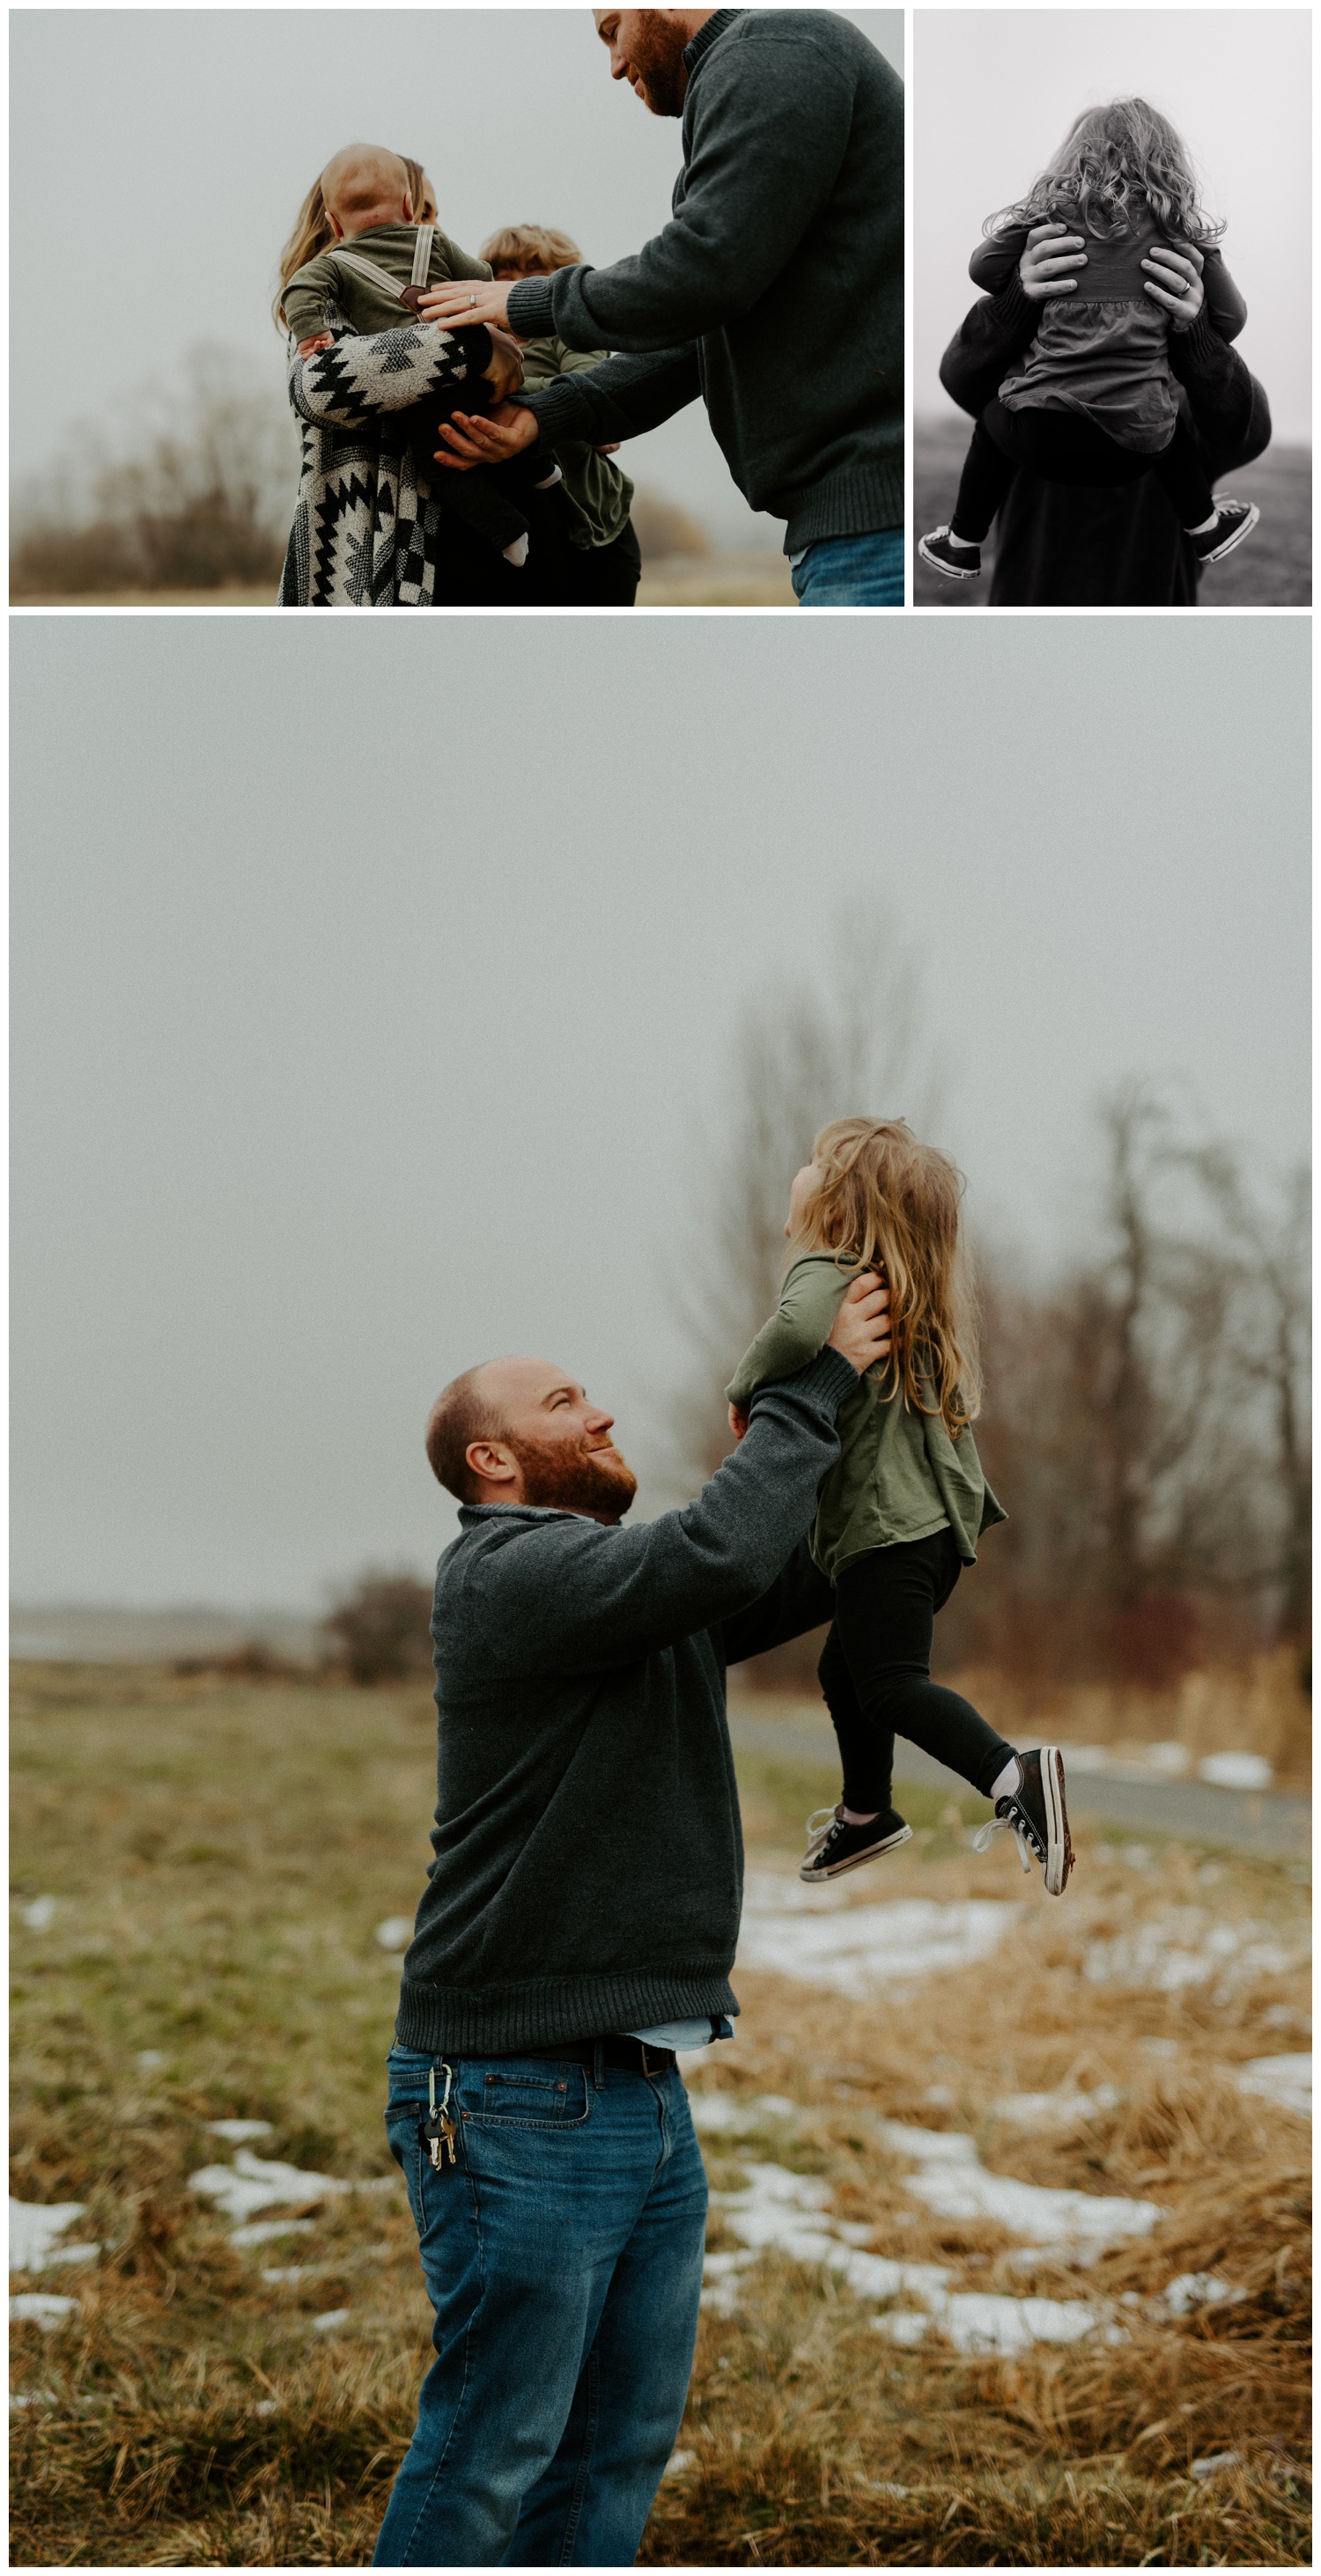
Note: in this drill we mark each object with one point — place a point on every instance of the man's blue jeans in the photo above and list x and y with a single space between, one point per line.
852 572
562 2253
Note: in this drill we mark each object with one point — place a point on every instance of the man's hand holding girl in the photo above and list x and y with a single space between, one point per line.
1174 279
1048 264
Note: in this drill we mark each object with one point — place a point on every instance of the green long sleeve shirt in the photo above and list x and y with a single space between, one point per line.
899 1475
330 279
598 495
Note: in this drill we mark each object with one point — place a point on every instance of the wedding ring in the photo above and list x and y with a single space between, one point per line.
472 300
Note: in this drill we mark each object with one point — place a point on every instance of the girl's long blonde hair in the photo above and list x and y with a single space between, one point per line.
1112 161
884 1202
313 231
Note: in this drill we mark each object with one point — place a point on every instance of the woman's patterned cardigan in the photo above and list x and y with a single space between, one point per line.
367 531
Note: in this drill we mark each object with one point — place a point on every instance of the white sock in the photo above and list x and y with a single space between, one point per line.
969 544
1010 1778
517 553
1204 526
850 1818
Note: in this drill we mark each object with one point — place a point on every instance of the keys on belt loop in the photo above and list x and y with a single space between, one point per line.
438 2128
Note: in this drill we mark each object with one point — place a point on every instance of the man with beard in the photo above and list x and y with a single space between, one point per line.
776 292
577 1930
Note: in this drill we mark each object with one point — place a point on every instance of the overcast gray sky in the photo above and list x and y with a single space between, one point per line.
161 156
996 90
341 1065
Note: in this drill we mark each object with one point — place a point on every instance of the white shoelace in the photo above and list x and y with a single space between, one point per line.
981 1840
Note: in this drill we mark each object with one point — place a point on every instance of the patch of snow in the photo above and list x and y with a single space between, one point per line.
238 2131
252 2183
1236 1771
1044 2110
288 2271
329 2319
677 2462
1172 1760
739 2111
981 2321
1286 2080
864 1949
33 2228
263 2229
39 2308
396 1932
1213 2461
771 2213
955 2184
1186 1947
1191 2290
150 2058
266 2406
40 1914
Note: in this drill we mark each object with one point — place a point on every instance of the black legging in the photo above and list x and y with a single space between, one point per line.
607 576
875 1670
1062 447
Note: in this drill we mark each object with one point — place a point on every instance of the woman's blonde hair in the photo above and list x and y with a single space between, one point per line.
531 248
313 231
882 1201
1112 160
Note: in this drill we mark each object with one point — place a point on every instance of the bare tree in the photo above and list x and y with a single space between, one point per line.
805 1050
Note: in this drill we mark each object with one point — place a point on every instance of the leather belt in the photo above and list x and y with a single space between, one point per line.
616 2047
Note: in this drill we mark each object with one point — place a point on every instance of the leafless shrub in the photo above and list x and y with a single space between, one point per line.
184 487
381 1631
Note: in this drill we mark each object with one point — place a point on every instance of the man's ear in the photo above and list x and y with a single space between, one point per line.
490 1460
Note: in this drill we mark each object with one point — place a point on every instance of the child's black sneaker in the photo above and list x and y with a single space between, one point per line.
834 1845
1233 521
958 563
1035 1812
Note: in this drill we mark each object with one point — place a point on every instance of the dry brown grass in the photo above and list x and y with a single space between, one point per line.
221 1855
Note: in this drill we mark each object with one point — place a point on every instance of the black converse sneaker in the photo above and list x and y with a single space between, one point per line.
834 1845
958 563
1036 1814
1233 521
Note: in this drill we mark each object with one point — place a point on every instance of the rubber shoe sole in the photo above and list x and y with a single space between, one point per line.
1059 1847
1234 538
856 1859
954 572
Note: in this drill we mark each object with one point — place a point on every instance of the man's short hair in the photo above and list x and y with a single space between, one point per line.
459 1415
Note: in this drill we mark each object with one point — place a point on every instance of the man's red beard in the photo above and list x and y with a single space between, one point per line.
656 60
563 1476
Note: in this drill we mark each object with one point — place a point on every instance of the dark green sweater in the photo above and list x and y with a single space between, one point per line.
777 291
589 1866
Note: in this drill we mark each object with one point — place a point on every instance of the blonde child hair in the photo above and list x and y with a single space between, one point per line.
1112 159
313 231
533 249
883 1201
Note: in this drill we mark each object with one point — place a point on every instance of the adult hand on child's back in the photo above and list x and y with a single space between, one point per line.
738 1422
1049 261
504 374
487 438
861 1330
1174 279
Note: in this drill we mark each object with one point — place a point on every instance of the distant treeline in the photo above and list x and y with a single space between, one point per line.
191 487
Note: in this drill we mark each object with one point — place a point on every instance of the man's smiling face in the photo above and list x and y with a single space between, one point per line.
554 1446
646 49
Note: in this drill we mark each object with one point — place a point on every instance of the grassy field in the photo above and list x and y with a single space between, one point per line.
671 581
220 1856
1271 569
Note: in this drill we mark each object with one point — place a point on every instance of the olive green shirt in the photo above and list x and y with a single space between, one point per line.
598 495
330 279
899 1475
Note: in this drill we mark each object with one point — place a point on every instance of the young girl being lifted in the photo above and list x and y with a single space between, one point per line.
900 1513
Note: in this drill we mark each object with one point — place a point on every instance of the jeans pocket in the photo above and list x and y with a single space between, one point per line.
525 2093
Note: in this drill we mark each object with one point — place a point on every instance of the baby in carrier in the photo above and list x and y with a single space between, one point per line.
1095 400
371 277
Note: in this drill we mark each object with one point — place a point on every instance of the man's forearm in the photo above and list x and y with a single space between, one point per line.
621 398
997 331
1229 408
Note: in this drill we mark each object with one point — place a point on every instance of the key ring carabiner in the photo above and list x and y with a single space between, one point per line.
448 2073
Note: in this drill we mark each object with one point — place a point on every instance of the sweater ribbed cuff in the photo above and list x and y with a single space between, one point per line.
530 309
823 1384
1013 307
1201 342
558 409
